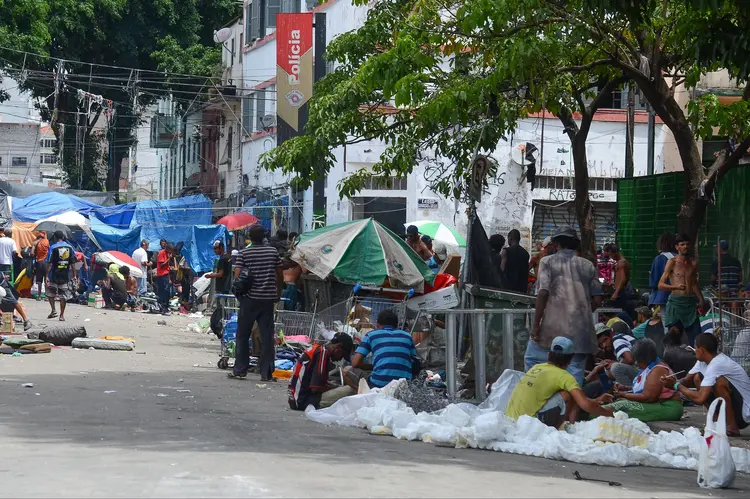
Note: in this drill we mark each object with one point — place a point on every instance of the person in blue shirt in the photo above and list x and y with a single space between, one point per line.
392 352
665 245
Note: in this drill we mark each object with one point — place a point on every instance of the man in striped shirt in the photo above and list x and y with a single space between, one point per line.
618 339
392 352
257 305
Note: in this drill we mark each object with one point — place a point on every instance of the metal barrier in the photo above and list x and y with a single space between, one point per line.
479 320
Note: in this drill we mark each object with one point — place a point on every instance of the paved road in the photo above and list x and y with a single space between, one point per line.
165 422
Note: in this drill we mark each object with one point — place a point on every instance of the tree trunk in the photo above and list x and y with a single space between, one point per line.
584 208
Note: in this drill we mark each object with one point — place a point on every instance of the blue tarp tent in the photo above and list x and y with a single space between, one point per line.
171 219
199 249
114 239
48 204
119 216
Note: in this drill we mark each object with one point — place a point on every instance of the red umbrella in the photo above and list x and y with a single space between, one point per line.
239 220
122 259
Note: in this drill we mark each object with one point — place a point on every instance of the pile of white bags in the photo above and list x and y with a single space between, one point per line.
618 441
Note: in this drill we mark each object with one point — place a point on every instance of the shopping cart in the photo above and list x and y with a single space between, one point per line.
730 319
230 310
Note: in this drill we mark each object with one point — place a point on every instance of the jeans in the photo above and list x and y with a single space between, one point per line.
693 331
162 282
252 310
536 354
624 373
142 285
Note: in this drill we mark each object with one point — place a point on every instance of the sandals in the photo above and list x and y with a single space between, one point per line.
52 315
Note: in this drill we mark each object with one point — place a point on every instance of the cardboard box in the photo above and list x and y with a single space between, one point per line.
7 325
440 299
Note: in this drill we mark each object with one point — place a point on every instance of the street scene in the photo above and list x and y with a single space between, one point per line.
492 249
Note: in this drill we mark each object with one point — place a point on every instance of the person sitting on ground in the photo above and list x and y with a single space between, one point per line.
309 379
620 344
392 352
113 288
655 402
131 287
550 393
716 375
677 354
9 303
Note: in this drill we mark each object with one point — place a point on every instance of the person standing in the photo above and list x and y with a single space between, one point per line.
566 287
623 296
731 272
141 258
8 249
263 265
163 282
62 260
665 245
515 263
682 274
41 250
222 273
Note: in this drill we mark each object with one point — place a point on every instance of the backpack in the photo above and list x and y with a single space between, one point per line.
244 282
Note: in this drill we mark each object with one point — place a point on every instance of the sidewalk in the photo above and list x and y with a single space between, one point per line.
696 416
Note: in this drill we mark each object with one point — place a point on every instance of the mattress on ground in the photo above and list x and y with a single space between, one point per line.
100 344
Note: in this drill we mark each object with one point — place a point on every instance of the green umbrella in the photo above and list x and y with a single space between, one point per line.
439 232
361 252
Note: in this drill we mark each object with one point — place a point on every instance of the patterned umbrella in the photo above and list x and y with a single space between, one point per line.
440 232
361 252
122 259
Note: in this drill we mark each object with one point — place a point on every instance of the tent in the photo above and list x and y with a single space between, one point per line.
171 219
48 204
113 239
119 216
26 190
199 248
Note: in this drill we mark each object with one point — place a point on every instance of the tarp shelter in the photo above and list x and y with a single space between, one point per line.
171 219
42 206
113 239
271 213
199 248
119 216
23 234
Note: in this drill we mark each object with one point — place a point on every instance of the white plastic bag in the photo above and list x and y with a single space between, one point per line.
502 389
716 467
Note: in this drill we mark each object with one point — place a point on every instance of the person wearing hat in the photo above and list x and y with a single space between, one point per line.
550 393
566 287
731 271
415 242
616 342
309 379
222 270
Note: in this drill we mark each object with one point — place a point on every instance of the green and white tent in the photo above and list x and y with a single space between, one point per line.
440 233
362 252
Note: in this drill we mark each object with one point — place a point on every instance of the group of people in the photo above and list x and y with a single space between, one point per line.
642 365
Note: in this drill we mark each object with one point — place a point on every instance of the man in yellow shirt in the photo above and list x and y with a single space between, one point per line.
550 393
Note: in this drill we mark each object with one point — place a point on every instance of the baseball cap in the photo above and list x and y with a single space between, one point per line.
412 230
235 252
346 343
562 345
565 231
426 239
602 328
217 243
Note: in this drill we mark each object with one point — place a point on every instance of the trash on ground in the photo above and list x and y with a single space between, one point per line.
161 323
28 385
162 395
110 391
261 386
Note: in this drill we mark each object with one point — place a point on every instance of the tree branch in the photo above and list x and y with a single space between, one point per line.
585 67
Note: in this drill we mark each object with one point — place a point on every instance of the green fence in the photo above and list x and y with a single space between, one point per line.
648 206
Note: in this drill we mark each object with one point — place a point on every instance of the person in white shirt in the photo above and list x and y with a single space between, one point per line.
7 250
716 375
141 258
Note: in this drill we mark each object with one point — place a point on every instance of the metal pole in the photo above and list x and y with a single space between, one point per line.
718 272
184 150
480 358
508 341
450 353
651 138
629 129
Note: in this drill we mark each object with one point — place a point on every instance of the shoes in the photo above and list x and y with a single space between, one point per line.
27 325
236 376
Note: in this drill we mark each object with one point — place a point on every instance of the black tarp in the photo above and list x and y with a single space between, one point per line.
5 215
26 190
482 269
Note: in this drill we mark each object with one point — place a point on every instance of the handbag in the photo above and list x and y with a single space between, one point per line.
242 285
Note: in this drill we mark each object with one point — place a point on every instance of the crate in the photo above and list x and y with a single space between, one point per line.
7 325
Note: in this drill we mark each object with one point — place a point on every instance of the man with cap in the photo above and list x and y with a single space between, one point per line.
566 287
309 379
550 393
222 270
415 242
731 271
618 341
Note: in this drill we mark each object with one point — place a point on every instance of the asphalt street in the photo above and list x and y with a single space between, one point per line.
163 421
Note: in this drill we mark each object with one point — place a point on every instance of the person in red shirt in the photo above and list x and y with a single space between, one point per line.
163 282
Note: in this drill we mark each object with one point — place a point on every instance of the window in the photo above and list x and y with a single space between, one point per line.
48 159
257 20
19 161
248 36
248 114
273 7
261 107
229 144
239 56
567 183
386 183
231 54
47 143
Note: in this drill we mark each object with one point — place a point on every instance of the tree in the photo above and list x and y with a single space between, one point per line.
112 36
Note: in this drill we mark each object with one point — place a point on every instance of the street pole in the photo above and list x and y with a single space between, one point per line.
318 73
651 139
134 149
184 150
629 131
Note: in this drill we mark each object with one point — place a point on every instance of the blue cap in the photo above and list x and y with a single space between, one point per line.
562 345
724 245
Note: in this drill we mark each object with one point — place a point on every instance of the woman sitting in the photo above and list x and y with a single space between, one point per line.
648 400
113 288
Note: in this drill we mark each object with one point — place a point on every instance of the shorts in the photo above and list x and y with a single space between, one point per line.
552 412
354 375
737 404
40 272
61 292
